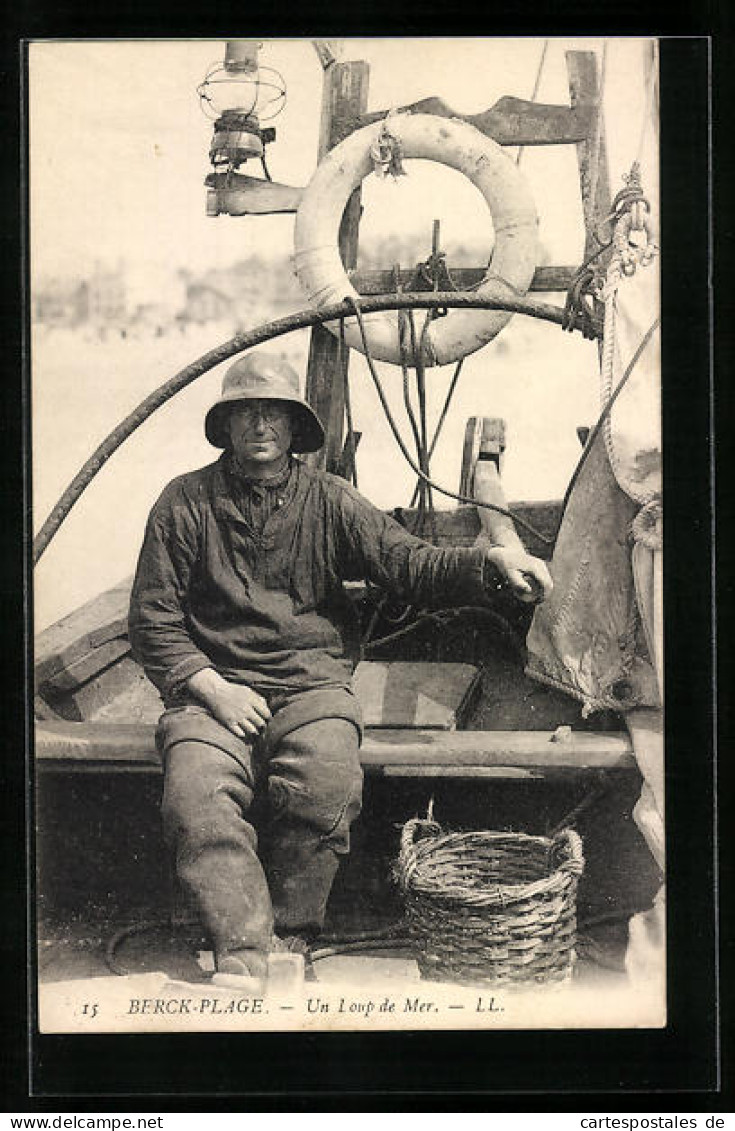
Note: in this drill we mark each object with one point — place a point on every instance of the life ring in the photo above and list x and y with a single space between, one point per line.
450 142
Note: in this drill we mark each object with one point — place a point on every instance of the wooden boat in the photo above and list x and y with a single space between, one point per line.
453 718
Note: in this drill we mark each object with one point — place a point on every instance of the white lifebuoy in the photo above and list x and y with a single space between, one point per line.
450 142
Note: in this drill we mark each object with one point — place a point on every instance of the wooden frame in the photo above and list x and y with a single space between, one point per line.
510 122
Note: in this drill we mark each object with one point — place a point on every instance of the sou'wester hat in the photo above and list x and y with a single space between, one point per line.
264 376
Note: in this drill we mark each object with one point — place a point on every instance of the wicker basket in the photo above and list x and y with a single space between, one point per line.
490 908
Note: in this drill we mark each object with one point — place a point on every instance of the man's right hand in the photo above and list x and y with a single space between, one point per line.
235 705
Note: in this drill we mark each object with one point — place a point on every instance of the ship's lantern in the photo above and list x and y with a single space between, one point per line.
239 95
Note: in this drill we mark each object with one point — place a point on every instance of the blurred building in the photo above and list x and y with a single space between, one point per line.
106 295
60 302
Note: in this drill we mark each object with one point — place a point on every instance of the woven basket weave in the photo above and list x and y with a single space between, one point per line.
490 908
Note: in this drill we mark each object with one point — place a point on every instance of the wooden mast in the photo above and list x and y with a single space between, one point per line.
344 100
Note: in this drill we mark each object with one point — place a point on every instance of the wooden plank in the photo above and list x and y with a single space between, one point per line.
344 101
346 465
505 773
510 121
460 527
113 744
484 437
396 693
240 195
328 51
106 610
149 766
95 742
381 282
344 98
73 673
529 749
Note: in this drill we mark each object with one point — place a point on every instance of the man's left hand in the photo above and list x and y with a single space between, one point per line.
527 576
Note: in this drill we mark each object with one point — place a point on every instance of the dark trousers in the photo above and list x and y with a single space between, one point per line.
301 795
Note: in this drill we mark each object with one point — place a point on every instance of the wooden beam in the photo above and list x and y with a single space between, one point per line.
72 672
460 527
484 438
383 282
240 195
87 626
510 121
505 773
325 52
346 465
344 98
532 749
594 177
65 745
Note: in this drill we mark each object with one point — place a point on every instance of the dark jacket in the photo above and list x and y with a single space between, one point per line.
268 608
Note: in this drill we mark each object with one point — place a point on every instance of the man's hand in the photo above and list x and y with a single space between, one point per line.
527 576
235 705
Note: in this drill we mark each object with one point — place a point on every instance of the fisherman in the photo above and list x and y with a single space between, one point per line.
239 617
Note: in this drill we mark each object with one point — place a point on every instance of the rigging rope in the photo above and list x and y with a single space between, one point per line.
599 425
444 619
402 332
442 418
534 93
354 303
632 216
428 501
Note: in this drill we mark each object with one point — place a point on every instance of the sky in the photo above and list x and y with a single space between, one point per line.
118 156
119 143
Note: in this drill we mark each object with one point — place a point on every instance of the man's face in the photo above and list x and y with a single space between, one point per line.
260 431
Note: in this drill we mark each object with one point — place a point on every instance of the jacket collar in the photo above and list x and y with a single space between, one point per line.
224 489
240 482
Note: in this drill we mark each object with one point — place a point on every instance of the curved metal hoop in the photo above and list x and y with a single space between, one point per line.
547 312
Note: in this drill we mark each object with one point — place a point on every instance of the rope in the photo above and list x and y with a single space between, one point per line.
598 790
534 93
442 418
403 317
606 412
402 330
575 308
119 937
420 385
421 390
632 213
418 427
431 270
444 618
361 946
547 312
386 938
344 362
353 302
576 311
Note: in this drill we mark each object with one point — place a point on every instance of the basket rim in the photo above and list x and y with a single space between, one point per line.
559 881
